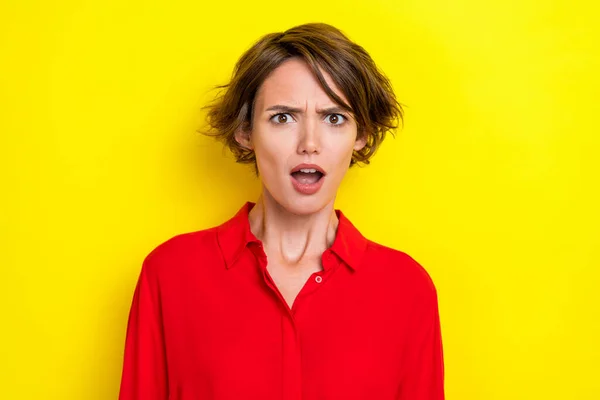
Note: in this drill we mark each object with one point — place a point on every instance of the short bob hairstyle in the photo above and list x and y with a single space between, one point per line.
323 47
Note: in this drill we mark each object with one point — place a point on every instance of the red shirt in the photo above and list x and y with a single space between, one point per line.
207 322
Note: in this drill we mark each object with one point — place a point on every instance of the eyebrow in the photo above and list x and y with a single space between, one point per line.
288 109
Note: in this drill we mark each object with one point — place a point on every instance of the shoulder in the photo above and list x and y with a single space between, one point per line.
181 250
399 269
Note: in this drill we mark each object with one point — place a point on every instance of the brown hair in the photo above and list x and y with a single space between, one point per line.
323 47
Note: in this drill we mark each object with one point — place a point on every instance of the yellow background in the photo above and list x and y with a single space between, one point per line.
492 185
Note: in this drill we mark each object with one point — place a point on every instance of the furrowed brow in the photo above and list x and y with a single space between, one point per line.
282 108
331 110
288 109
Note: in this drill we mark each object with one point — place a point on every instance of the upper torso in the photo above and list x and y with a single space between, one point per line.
228 333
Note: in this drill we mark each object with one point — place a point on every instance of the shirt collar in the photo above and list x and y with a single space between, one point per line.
234 235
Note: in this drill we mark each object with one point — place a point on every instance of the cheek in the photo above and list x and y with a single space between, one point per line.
340 152
271 153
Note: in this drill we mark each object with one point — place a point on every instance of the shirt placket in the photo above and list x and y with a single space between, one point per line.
292 361
291 349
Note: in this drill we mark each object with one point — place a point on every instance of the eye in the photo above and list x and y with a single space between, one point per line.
335 119
282 118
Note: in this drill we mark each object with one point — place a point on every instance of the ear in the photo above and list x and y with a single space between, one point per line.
361 141
243 137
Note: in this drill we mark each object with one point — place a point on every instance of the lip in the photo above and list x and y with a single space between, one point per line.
310 188
307 166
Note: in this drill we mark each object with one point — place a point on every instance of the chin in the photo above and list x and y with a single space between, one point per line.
298 204
305 205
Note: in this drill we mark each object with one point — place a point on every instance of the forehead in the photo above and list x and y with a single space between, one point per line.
294 82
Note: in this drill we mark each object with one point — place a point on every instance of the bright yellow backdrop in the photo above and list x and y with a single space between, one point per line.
492 185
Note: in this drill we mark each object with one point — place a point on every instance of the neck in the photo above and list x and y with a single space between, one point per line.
291 238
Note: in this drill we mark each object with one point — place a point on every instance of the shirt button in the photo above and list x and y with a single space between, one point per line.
318 279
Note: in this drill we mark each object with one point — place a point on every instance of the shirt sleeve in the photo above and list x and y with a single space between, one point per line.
144 374
423 377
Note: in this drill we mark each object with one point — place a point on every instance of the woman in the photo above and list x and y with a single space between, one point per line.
287 300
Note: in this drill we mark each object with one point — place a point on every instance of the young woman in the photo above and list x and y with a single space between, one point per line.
287 300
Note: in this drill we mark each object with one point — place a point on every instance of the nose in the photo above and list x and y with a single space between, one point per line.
309 141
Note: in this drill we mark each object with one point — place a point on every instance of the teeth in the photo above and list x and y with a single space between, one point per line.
308 170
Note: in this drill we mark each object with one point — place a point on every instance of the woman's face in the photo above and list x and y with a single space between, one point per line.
303 141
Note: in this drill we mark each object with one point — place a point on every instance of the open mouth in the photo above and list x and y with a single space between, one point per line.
307 176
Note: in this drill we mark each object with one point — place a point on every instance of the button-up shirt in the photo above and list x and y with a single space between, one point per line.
208 322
